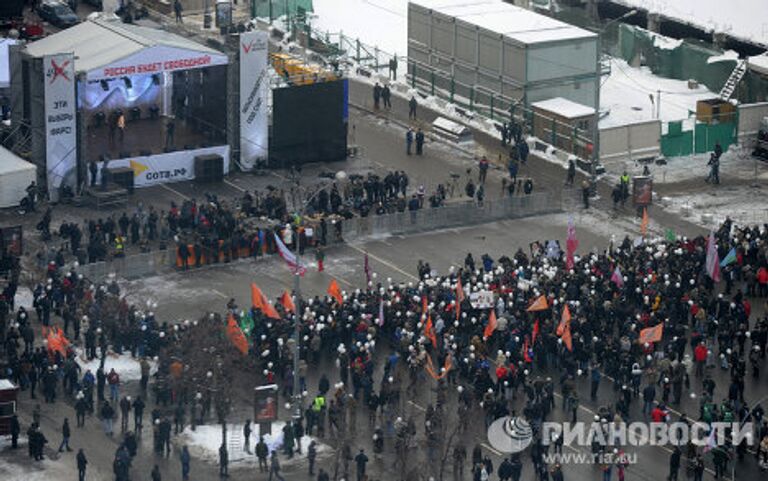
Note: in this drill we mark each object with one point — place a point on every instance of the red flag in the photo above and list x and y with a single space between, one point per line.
566 337
287 302
424 305
491 326
259 301
535 331
571 244
459 291
335 292
459 297
429 332
651 334
644 223
236 336
539 304
565 319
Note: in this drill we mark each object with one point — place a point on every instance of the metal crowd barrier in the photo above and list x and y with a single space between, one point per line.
452 215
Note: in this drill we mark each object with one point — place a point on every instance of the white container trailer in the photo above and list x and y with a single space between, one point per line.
500 50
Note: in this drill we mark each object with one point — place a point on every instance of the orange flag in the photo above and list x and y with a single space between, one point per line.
539 304
259 301
565 318
56 340
566 337
491 326
429 331
287 302
644 223
236 336
651 334
335 292
424 305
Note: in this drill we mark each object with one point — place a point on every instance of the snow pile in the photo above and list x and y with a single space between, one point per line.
735 163
127 367
205 441
25 298
630 95
738 18
710 207
727 56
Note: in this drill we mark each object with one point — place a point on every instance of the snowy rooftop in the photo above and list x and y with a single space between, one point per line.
517 23
738 18
564 107
6 385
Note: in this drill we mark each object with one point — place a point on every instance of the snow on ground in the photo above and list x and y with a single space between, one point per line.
204 443
629 95
24 297
709 208
738 18
380 23
735 163
127 367
45 470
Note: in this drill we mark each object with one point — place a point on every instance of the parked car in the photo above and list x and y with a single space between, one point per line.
58 14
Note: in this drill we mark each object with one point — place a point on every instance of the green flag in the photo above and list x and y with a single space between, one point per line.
670 235
246 323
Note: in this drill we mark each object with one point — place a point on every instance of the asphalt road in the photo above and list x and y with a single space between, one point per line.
187 294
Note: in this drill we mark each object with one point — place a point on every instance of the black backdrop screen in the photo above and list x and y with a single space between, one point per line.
308 124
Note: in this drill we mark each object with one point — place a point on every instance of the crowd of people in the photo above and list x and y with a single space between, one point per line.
499 359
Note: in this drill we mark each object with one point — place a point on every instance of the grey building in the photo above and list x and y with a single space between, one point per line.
501 50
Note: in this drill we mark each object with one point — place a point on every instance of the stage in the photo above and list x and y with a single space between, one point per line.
146 136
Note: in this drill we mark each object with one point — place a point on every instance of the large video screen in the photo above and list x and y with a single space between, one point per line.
309 124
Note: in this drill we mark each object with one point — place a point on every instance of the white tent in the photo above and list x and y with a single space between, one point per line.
15 175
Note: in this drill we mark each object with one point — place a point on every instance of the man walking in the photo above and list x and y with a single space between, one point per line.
170 129
408 141
65 433
247 436
482 166
223 461
185 458
361 460
82 462
274 468
376 96
412 104
261 453
674 464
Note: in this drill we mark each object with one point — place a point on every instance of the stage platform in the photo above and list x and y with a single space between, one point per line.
145 136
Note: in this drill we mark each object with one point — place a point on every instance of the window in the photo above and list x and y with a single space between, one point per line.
7 409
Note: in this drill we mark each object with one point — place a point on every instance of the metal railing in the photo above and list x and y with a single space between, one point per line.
453 215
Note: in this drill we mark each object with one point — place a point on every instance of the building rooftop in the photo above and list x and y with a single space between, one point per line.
517 23
102 42
564 107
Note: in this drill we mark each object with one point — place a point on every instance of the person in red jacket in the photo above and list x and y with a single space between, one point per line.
762 282
659 414
700 357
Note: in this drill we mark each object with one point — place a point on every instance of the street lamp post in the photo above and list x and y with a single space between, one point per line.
598 75
300 206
